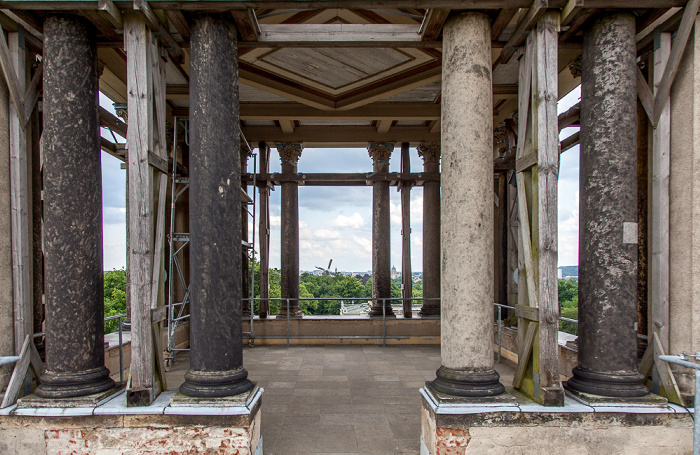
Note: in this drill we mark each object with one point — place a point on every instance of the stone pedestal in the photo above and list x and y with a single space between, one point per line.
607 341
216 352
289 250
381 236
430 152
72 213
467 210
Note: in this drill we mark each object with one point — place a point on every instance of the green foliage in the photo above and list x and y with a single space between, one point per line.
114 297
568 304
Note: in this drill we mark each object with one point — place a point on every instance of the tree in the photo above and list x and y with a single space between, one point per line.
114 297
567 291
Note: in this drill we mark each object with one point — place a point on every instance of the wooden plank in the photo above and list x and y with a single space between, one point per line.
15 84
524 87
432 24
287 126
547 183
18 374
526 162
155 24
660 202
526 241
383 126
20 202
407 291
647 361
110 121
570 117
137 38
179 22
159 360
31 96
527 312
645 95
502 20
157 280
524 354
324 34
247 24
663 90
665 373
111 13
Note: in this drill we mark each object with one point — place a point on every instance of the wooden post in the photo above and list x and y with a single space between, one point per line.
137 40
660 202
406 279
264 232
19 197
500 239
547 146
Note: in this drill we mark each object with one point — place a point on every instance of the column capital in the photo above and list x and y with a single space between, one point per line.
290 152
122 111
430 152
380 151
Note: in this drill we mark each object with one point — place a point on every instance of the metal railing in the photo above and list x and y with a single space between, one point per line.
682 360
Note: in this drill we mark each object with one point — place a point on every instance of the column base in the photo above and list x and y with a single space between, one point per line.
467 383
376 312
429 311
606 384
216 383
293 314
74 384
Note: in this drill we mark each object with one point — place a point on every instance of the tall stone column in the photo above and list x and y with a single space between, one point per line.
72 213
607 358
216 351
467 210
430 152
289 251
381 226
246 152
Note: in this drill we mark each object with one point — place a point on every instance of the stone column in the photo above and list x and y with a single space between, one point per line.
72 213
381 225
467 210
289 251
246 152
608 212
216 351
430 152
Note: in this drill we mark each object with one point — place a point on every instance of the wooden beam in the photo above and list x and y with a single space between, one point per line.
155 24
530 19
264 242
19 373
341 179
287 126
660 203
329 34
20 199
502 20
432 24
671 69
111 13
137 40
247 24
31 96
570 117
665 373
13 83
570 142
339 136
524 354
645 96
113 149
383 126
179 22
547 147
569 12
527 312
110 121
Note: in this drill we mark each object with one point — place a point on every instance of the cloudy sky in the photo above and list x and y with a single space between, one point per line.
336 222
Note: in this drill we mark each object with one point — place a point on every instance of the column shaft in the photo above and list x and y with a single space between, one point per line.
246 305
608 212
289 250
467 218
381 236
72 213
216 359
431 231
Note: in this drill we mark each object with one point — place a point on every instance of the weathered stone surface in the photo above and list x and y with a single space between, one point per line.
216 365
430 153
72 213
289 247
608 260
27 441
467 210
381 233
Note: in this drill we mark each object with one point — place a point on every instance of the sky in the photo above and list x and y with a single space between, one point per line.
336 222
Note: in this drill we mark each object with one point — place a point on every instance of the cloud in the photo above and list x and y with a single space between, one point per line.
354 221
275 220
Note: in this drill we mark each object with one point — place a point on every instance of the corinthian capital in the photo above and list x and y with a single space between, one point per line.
380 152
430 152
290 152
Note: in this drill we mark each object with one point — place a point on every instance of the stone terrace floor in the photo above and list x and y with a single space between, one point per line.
339 399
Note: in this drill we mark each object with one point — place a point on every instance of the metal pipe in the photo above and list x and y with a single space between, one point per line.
678 360
121 353
287 322
8 360
384 321
499 333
